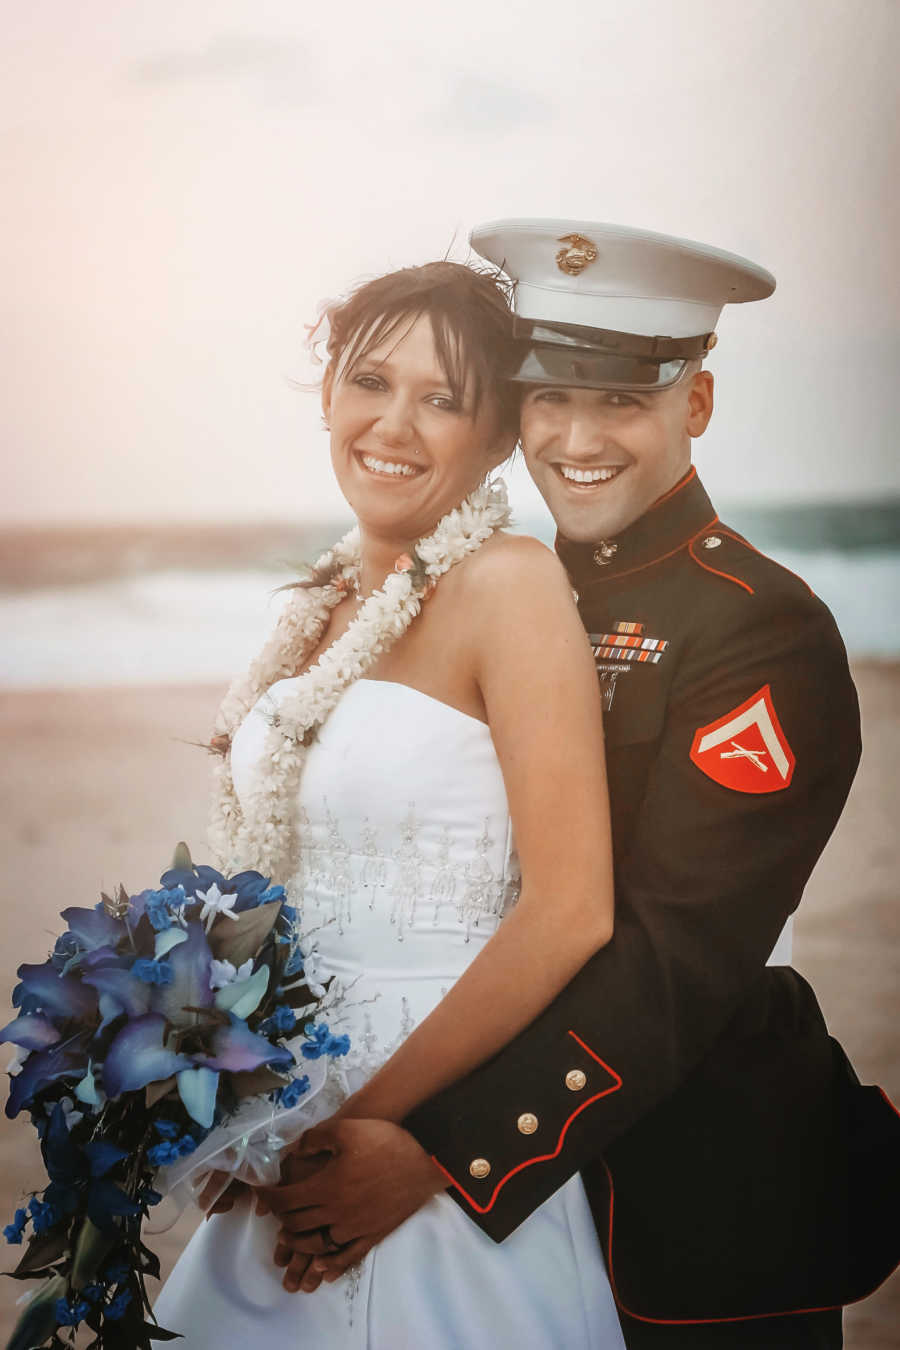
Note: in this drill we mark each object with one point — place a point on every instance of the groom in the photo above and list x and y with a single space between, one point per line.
742 1182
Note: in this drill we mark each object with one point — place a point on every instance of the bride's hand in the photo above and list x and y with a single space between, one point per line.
373 1177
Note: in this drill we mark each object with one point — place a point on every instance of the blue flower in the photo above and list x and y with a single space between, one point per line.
152 972
43 1216
270 895
291 1093
281 1020
149 1196
13 1231
167 1129
117 1272
70 1314
160 905
94 1292
116 1309
160 1155
322 1042
294 965
170 1150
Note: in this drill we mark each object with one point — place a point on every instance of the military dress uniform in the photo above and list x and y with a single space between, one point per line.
744 1185
716 1125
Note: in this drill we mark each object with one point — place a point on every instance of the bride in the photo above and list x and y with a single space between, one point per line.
420 747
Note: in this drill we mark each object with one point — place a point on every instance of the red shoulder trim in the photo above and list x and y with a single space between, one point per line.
544 1157
715 571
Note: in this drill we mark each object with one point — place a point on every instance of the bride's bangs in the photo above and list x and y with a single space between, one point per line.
470 322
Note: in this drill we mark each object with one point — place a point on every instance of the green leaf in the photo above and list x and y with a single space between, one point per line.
237 940
156 1091
91 1250
182 858
243 997
38 1321
255 1081
43 1251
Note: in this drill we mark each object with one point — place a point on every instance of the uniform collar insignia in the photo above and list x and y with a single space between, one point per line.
669 525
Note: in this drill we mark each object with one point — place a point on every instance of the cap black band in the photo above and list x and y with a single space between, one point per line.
581 368
608 341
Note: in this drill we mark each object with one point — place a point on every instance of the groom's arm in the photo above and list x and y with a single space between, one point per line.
712 873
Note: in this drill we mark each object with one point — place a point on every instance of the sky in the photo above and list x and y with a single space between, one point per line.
185 181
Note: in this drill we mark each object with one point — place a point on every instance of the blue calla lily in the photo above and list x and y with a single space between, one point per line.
31 1031
197 1089
63 994
121 992
74 1172
138 1056
103 957
237 1049
93 927
102 1155
106 1203
191 966
166 940
248 887
193 879
46 1066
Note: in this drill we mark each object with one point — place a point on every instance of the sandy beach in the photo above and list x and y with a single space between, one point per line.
98 786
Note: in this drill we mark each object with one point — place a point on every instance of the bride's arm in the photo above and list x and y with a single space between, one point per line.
533 665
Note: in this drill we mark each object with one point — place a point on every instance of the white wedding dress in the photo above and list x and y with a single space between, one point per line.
407 866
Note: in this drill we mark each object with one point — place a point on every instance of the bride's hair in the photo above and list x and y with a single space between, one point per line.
470 317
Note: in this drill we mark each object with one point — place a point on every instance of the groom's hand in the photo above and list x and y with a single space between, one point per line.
370 1177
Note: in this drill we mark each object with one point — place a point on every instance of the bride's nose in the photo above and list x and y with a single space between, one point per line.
395 426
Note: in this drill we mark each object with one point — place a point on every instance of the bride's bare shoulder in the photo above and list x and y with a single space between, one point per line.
516 561
511 572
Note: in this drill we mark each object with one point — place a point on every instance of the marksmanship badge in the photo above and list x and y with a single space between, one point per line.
579 254
746 750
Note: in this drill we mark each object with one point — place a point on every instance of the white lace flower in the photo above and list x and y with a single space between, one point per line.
214 902
223 972
264 835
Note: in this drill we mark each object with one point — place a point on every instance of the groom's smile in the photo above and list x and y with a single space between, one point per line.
601 457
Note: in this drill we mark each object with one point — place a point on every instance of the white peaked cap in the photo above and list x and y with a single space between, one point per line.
617 278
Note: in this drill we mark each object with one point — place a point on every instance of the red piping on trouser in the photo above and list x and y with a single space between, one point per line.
544 1157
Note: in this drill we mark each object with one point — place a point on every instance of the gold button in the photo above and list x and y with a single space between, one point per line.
575 1080
712 541
605 551
711 341
479 1167
527 1123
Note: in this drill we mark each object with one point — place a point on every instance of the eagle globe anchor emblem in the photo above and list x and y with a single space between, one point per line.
578 254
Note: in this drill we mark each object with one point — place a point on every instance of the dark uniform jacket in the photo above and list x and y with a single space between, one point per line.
735 1167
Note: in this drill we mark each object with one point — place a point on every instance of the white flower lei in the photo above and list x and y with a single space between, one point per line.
264 837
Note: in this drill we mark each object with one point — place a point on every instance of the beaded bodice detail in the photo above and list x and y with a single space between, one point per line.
407 861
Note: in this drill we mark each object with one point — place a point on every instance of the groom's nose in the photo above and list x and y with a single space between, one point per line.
582 435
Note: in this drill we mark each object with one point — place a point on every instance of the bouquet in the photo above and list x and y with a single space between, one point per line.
160 1039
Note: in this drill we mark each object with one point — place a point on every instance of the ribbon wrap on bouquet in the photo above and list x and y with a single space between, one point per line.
249 1147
